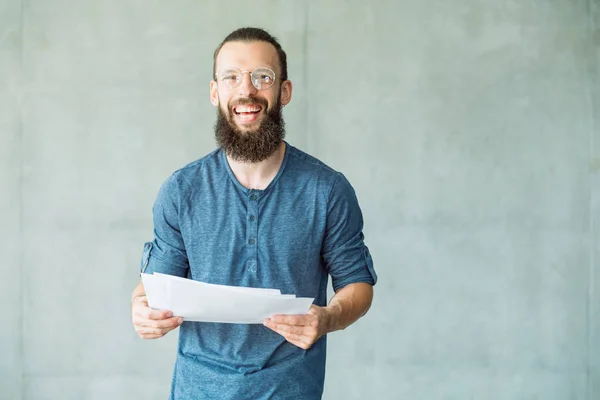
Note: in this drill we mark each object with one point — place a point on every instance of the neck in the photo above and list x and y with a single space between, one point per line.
258 175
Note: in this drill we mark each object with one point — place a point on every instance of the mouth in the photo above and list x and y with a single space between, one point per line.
247 113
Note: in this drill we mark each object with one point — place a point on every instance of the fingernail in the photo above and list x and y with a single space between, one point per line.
169 314
180 320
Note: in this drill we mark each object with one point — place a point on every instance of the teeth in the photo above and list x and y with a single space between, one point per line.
247 109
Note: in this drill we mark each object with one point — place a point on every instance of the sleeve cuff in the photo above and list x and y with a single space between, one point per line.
363 275
150 263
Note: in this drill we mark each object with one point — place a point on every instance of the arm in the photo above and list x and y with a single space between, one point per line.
347 306
349 263
165 254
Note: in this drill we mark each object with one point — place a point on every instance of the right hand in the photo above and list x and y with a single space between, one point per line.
150 323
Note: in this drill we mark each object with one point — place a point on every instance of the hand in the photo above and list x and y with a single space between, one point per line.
150 323
301 330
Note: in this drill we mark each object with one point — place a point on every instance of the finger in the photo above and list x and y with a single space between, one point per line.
279 332
297 340
290 335
151 336
150 313
172 323
292 319
304 346
146 330
293 337
299 330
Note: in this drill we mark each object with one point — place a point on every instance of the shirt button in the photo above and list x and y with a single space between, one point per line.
251 241
252 218
253 197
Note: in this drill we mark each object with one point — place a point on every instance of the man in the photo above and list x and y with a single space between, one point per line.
256 212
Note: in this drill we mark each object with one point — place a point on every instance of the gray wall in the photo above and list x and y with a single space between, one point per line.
470 130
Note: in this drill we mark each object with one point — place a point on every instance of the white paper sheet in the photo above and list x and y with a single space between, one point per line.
199 301
224 287
157 292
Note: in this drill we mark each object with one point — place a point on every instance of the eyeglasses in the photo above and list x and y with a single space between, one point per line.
262 78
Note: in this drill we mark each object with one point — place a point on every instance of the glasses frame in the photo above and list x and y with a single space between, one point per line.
244 72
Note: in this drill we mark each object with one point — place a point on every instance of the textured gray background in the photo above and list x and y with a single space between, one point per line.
470 130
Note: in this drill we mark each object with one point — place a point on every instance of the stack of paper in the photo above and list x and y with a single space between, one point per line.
205 302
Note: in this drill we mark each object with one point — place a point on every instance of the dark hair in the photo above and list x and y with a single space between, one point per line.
253 35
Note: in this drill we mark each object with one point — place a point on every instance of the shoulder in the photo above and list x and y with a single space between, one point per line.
189 176
303 160
311 167
333 181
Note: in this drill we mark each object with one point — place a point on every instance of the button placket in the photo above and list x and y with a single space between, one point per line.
252 232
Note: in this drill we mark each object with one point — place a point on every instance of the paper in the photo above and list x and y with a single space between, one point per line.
205 302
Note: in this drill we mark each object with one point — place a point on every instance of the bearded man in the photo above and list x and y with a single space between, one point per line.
256 212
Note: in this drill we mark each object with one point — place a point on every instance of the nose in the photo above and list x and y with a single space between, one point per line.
246 88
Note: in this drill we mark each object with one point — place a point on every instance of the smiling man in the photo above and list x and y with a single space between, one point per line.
256 212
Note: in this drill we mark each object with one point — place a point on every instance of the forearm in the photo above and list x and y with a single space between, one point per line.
348 305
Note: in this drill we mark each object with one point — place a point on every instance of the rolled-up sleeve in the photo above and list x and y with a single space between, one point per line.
344 252
166 253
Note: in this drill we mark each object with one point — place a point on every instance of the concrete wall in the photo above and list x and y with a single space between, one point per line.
470 130
594 274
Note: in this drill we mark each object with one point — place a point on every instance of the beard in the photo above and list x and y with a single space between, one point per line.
250 146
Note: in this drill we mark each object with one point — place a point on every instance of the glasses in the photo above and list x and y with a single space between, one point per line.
262 78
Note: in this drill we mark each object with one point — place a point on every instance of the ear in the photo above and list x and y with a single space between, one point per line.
214 93
286 92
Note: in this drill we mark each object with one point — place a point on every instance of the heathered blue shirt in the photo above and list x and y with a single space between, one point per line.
301 229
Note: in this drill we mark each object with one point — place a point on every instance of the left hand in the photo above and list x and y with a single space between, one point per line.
301 330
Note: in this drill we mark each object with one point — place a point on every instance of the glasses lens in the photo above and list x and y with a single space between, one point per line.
231 78
263 78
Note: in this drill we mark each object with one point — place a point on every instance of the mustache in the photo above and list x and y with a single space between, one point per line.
248 100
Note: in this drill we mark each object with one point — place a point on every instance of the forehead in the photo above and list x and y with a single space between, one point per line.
247 56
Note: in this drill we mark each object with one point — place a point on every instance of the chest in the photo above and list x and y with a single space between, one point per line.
255 238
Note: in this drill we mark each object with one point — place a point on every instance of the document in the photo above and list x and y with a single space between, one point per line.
205 302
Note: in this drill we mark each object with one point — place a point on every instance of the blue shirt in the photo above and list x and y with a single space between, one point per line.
301 229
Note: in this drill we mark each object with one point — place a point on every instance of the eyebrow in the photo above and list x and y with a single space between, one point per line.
231 69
